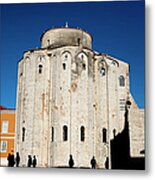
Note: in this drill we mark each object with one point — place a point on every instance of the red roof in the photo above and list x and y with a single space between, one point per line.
4 108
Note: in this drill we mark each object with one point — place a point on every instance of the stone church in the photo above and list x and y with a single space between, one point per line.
71 101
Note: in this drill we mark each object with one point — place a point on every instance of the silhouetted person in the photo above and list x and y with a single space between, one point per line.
93 163
12 160
9 160
71 161
107 163
29 161
34 161
17 159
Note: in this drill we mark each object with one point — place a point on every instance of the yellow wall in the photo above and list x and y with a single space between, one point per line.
9 136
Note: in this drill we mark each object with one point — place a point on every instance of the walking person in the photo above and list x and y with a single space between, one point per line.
34 161
12 160
93 163
29 161
17 159
71 161
9 160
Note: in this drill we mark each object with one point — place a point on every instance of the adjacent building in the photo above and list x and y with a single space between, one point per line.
7 133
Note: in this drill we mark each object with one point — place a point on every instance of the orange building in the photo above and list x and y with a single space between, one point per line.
7 133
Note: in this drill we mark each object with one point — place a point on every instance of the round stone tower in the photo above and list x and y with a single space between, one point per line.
58 37
68 100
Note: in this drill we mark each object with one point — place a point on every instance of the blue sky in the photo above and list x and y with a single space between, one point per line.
117 29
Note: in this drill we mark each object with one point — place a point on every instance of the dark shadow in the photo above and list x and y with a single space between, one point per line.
120 150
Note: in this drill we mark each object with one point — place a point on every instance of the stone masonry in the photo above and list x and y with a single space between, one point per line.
70 100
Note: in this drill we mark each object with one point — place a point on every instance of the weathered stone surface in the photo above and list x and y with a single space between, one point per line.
72 86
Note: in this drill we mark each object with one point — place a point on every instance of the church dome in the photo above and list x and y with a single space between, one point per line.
58 37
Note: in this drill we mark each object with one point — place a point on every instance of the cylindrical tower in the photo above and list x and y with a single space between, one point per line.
58 37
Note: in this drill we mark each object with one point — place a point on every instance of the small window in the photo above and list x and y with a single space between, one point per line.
48 42
5 126
79 41
102 71
82 133
83 66
64 66
114 132
121 81
3 146
65 133
104 134
23 134
40 68
52 138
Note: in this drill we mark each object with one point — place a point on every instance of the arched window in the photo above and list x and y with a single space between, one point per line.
23 134
65 133
40 68
64 66
104 135
82 133
121 81
102 71
79 41
83 66
52 134
48 42
114 132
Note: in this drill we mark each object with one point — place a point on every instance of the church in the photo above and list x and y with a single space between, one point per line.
71 100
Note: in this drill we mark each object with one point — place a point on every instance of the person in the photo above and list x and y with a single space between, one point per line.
17 159
93 163
34 161
9 160
71 161
107 163
29 161
12 160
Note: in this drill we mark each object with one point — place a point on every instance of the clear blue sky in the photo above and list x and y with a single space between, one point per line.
117 29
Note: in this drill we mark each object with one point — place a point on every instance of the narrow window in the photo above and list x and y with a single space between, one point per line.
52 138
83 66
5 126
79 41
48 42
114 132
65 133
40 68
64 66
121 81
104 134
23 134
3 146
102 71
82 133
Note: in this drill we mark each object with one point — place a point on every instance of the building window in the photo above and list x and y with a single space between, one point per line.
65 133
83 66
48 42
23 134
64 66
104 134
82 133
52 138
79 41
3 146
102 71
5 126
40 68
121 81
